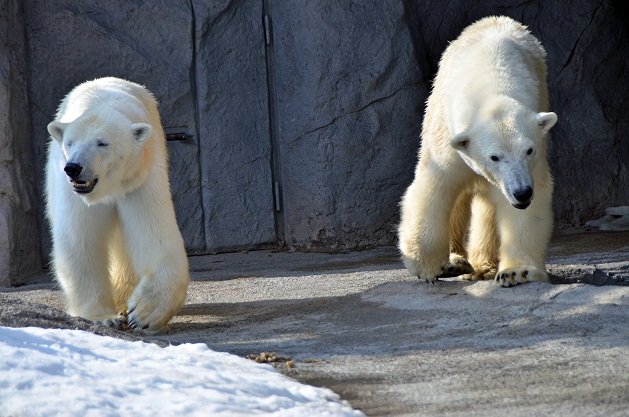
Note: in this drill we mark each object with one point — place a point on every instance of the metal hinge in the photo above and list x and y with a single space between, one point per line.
176 134
276 192
267 29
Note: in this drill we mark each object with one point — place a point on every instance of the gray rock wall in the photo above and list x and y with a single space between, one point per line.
233 118
349 100
19 234
588 59
71 42
206 65
328 112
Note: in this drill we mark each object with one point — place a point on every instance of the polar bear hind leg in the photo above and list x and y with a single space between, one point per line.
459 225
483 238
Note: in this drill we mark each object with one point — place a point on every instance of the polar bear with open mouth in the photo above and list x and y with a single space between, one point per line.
118 253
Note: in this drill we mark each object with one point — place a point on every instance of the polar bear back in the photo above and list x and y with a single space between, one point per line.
495 56
130 99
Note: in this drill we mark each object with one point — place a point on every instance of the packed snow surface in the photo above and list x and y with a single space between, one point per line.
52 372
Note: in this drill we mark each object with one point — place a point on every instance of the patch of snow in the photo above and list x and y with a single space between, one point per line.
53 372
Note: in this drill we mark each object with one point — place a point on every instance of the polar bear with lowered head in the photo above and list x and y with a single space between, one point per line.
481 200
117 253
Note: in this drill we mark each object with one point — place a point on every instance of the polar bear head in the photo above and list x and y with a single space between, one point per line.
503 144
104 154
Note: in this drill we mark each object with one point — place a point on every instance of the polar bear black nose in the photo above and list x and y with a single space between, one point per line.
523 194
73 170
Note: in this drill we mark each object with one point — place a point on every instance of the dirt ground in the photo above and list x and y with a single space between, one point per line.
391 345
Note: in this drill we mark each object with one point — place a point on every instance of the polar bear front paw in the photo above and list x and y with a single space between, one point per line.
147 316
457 265
117 322
151 306
428 271
514 276
481 273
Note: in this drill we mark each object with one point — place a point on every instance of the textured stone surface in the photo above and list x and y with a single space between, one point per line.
72 42
233 124
337 125
355 159
19 245
589 80
349 103
220 177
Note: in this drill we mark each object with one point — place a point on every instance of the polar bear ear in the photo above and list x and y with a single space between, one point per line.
141 131
56 130
546 120
460 141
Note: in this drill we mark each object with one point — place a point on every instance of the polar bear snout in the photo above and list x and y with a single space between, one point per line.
523 196
73 170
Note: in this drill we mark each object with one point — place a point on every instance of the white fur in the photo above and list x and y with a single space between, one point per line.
119 246
483 153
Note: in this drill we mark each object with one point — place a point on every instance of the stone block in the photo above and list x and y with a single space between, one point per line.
235 155
349 99
72 42
19 234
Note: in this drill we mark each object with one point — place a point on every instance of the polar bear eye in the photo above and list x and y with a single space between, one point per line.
530 151
494 158
102 143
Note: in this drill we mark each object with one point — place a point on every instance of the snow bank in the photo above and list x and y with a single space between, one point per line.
51 372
